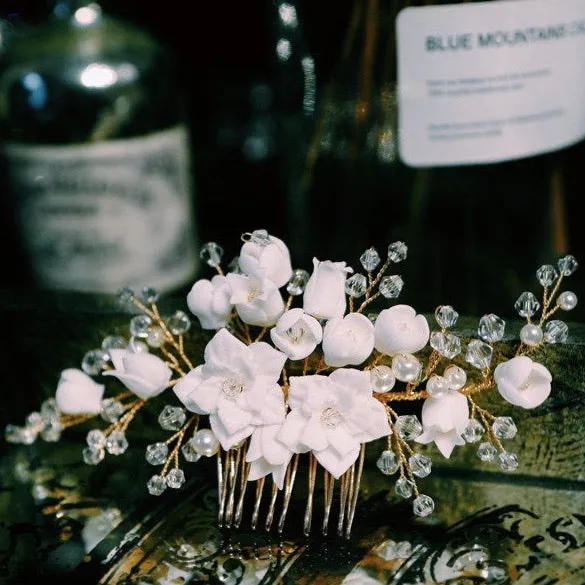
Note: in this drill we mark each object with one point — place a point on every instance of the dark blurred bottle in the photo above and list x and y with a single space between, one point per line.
96 156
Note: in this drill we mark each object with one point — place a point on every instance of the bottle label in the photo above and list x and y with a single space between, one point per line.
486 82
102 216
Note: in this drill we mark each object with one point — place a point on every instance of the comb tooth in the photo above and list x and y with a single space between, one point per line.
329 482
220 487
259 489
232 484
344 490
243 488
288 487
309 508
270 514
356 489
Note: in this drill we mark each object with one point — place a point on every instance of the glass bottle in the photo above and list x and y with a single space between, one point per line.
96 154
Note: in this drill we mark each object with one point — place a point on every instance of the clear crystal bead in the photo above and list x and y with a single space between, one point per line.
423 505
456 376
96 439
446 316
567 265
403 549
437 386
112 410
155 337
114 342
94 362
531 334
486 451
156 453
19 435
175 478
370 259
473 432
172 418
397 251
140 325
391 286
93 455
508 461
382 379
297 283
388 463
408 427
446 344
491 328
125 296
504 427
403 487
567 300
51 430
556 331
420 465
356 285
34 421
179 323
211 253
156 485
189 452
116 443
136 345
406 367
259 237
527 304
49 409
479 354
387 550
149 295
546 274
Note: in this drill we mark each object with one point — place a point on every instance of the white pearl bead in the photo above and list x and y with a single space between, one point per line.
205 442
531 334
456 377
567 300
382 379
437 386
406 367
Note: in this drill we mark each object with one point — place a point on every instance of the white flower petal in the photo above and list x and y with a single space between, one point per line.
340 440
348 340
313 434
232 416
224 351
400 330
292 429
78 393
334 463
446 442
227 439
267 360
197 393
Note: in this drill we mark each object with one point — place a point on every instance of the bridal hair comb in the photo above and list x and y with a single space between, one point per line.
297 377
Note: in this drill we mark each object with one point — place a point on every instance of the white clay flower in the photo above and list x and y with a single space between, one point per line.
237 386
444 419
209 301
348 340
268 455
258 302
296 334
266 259
78 393
324 295
523 382
144 374
400 330
331 416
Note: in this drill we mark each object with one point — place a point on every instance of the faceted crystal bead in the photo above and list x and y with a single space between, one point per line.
423 505
382 379
179 323
420 464
446 344
297 283
189 453
116 443
546 275
356 285
96 439
172 418
486 452
112 410
397 251
456 377
403 549
49 409
479 354
473 432
93 455
491 328
114 342
504 427
388 463
175 478
406 367
508 461
567 265
403 487
34 421
19 435
139 325
149 295
387 550
567 300
556 331
125 296
156 485
527 304
446 316
437 386
259 237
94 362
391 286
211 253
408 427
156 453
531 334
51 430
370 259
155 337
